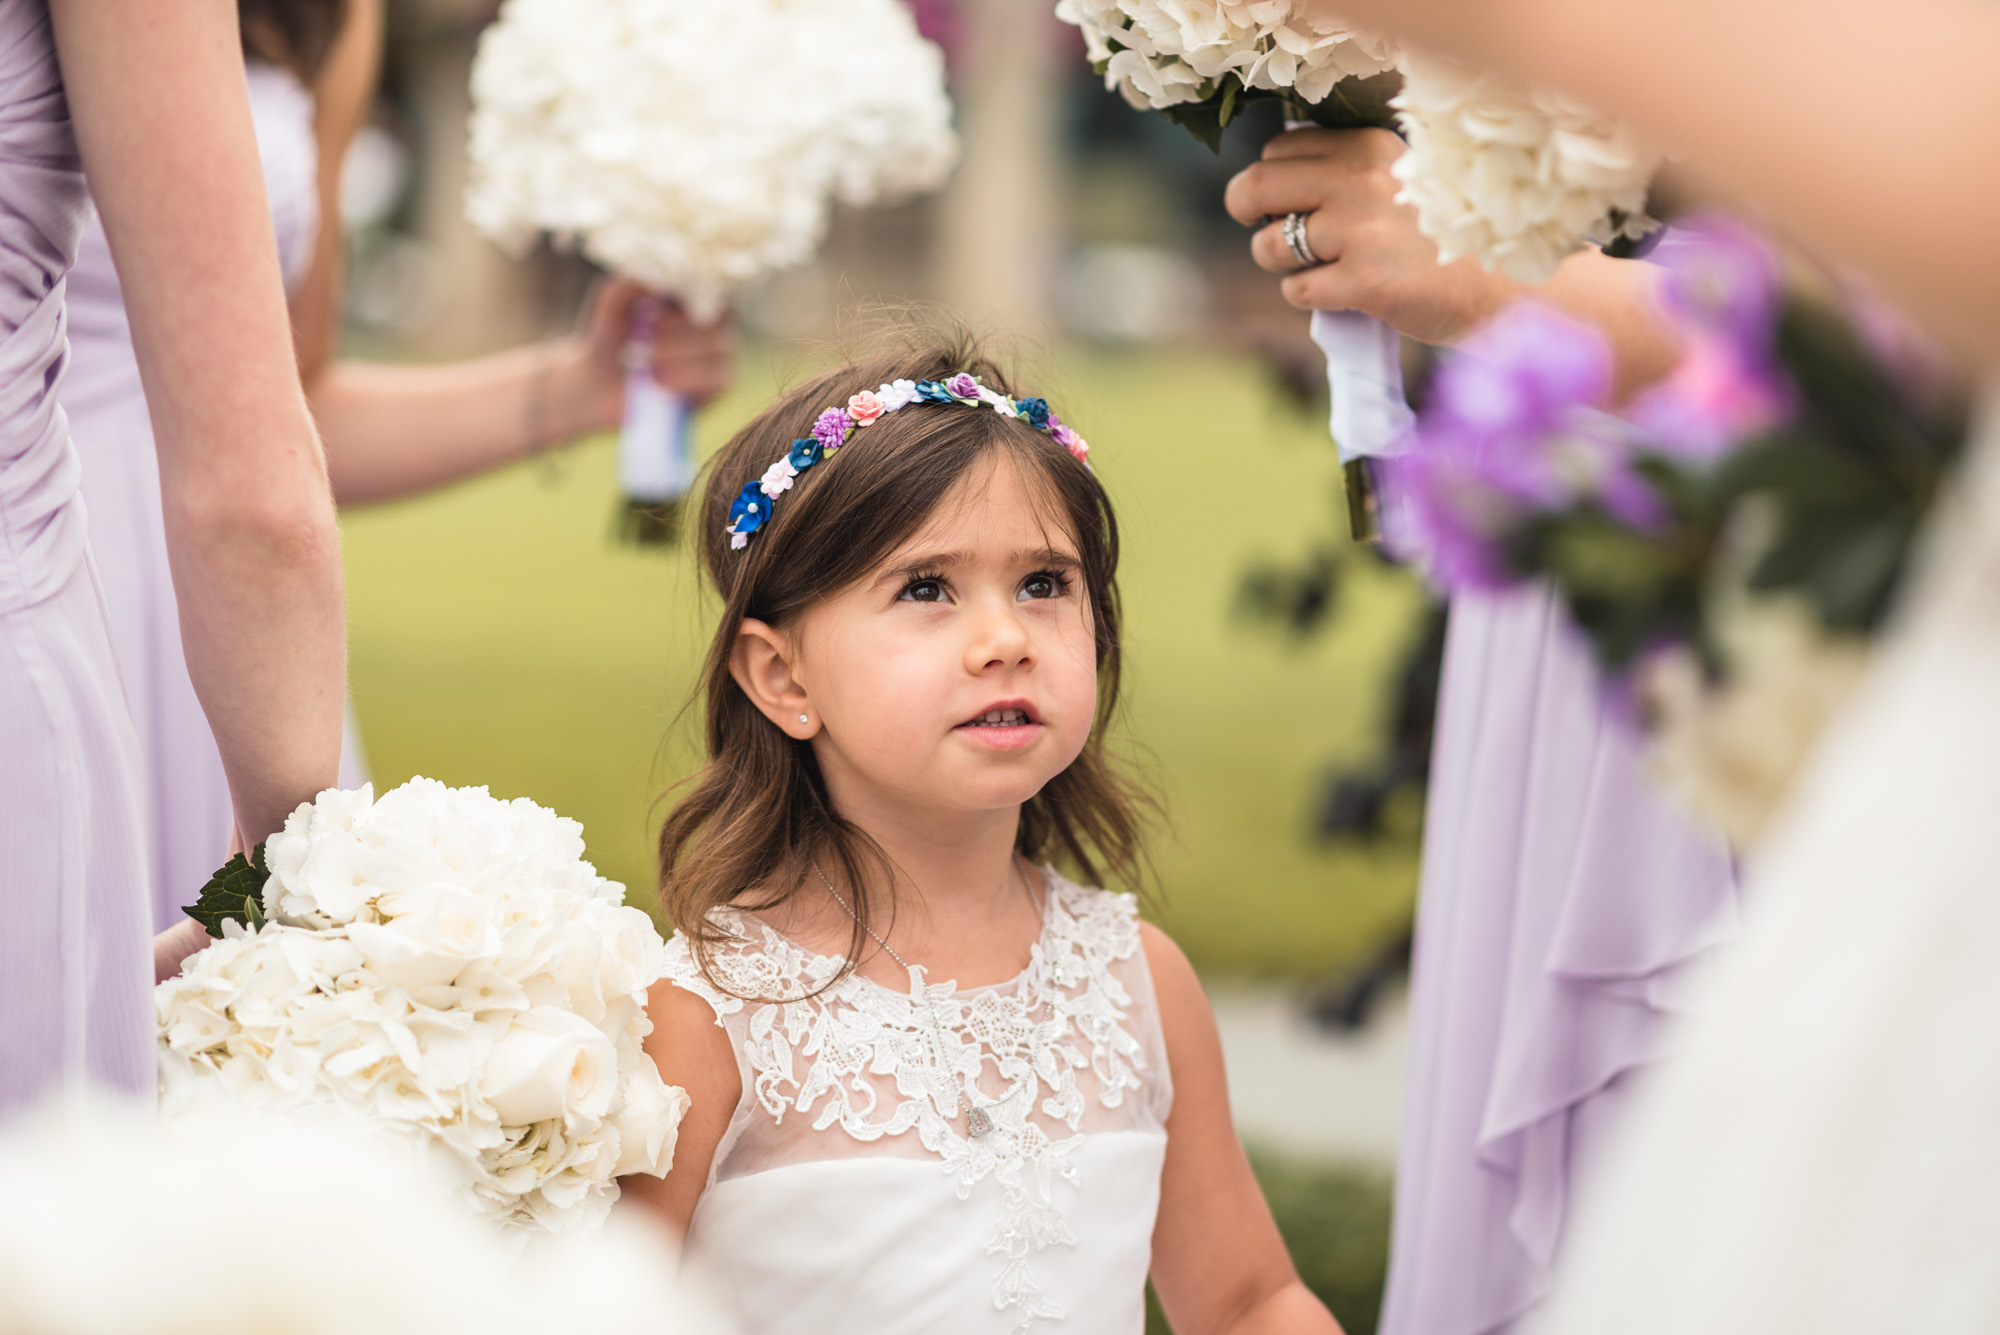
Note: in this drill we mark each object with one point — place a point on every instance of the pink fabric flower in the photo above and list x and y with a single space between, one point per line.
1070 441
865 407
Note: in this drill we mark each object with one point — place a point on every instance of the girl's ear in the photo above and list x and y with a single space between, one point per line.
760 661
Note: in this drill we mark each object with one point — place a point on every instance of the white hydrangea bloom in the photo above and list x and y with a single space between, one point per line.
1161 53
239 1225
1517 181
695 145
446 965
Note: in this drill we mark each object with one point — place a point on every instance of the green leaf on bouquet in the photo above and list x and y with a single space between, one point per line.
1354 104
237 891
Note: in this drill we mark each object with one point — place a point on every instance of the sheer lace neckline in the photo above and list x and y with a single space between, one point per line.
837 961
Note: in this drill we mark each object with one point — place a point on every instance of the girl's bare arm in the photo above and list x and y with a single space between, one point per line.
693 1052
1219 1266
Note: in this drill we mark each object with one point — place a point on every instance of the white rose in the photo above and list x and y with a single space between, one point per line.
649 1125
549 1064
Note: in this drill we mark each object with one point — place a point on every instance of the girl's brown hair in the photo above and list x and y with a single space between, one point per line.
757 815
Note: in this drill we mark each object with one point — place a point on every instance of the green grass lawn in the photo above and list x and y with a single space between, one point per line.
501 637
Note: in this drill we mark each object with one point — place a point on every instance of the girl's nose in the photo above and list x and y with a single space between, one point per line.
999 639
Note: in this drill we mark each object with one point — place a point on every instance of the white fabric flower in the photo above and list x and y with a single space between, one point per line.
1516 181
1161 53
696 145
777 479
443 966
897 394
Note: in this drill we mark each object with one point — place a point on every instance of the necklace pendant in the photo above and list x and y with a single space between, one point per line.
977 1123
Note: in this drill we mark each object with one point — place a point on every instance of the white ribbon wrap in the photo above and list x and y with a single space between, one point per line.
656 463
1364 381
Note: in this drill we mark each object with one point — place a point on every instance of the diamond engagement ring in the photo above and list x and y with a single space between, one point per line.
1295 237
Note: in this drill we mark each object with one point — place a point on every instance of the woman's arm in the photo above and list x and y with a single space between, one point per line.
1381 265
1875 159
394 430
693 1052
157 95
1219 1266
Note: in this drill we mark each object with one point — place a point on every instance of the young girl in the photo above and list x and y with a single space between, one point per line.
937 1086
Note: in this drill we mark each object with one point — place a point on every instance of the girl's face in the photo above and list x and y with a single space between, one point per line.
960 676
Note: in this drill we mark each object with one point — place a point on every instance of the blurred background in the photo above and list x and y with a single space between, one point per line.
1280 677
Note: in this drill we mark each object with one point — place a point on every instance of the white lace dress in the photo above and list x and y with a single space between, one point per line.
846 1197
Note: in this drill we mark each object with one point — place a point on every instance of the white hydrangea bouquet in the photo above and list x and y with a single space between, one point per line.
1516 179
695 146
443 967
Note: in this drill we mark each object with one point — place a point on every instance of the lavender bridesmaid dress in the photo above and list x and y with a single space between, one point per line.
1563 901
75 962
188 813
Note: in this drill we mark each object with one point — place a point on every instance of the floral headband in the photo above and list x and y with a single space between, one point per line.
752 509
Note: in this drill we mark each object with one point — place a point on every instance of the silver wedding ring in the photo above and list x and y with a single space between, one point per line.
1295 237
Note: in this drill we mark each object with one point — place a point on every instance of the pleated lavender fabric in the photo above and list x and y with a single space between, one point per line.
75 963
1563 902
188 816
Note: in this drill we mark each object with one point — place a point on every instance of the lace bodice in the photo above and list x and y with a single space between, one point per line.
1068 1051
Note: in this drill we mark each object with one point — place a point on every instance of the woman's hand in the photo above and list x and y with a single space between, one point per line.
695 361
172 947
1373 258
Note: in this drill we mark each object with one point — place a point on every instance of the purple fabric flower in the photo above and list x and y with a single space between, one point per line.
831 428
962 386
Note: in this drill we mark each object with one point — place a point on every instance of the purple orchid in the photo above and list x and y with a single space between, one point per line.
1723 287
1514 427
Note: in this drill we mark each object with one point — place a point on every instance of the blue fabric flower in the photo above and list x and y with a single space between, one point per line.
805 453
750 510
1035 412
932 391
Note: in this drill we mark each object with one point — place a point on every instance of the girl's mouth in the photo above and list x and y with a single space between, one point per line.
1008 726
1000 718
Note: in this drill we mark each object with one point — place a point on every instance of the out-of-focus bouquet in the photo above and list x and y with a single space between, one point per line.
1727 541
695 146
444 968
251 1225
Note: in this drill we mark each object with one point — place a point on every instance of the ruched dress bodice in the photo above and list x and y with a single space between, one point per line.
43 205
74 976
186 792
848 1197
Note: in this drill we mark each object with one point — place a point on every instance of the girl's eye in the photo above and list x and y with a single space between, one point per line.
1044 584
923 591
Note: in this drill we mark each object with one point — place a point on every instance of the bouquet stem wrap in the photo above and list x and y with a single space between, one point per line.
1370 416
656 461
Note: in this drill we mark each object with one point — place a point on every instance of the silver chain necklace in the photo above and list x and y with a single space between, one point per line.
978 1120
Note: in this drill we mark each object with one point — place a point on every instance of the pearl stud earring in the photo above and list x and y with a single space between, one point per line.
804 719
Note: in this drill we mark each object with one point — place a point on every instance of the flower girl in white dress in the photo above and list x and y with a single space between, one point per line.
938 1088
